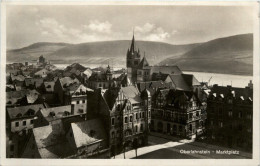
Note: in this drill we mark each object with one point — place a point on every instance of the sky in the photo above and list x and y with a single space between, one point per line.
79 24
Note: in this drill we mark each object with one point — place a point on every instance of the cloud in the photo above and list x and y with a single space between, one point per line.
94 31
151 32
146 28
97 26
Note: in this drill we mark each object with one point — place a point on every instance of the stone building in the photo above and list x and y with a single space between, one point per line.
230 116
177 112
126 114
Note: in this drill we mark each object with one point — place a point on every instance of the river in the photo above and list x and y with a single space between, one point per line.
220 79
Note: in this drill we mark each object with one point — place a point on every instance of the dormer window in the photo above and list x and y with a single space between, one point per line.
52 114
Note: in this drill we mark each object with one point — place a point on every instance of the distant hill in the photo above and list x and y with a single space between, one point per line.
96 52
32 52
231 55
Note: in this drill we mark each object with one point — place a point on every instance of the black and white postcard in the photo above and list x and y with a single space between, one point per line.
117 83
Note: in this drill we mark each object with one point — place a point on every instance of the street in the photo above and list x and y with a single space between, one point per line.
167 147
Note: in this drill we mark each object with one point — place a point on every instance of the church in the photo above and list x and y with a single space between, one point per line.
139 70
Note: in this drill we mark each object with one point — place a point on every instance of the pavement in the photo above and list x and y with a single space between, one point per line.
168 147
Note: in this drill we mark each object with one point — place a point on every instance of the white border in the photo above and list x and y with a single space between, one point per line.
161 162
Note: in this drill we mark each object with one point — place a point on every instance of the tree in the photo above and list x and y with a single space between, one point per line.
135 146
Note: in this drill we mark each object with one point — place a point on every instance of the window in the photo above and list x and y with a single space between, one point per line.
136 129
229 101
230 113
131 118
72 107
24 123
190 115
180 128
142 127
81 111
31 121
197 113
136 115
16 124
77 102
12 148
142 114
240 115
220 124
83 101
126 119
112 121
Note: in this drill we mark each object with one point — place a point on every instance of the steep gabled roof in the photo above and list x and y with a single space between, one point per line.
191 80
51 141
110 96
88 132
152 86
166 69
54 113
179 82
132 94
19 112
143 64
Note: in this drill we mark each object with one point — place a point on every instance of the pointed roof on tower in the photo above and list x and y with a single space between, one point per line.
132 48
143 64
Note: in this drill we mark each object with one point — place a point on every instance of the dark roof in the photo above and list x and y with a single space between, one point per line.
179 82
54 113
152 86
179 96
246 93
14 96
51 141
159 76
24 111
74 67
110 96
166 69
88 132
143 64
190 80
51 99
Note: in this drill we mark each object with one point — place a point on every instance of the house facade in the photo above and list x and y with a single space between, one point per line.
230 117
177 113
126 113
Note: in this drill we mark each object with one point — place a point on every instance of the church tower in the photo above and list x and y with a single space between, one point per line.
132 61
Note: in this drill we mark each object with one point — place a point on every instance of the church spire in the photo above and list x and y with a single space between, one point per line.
132 49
